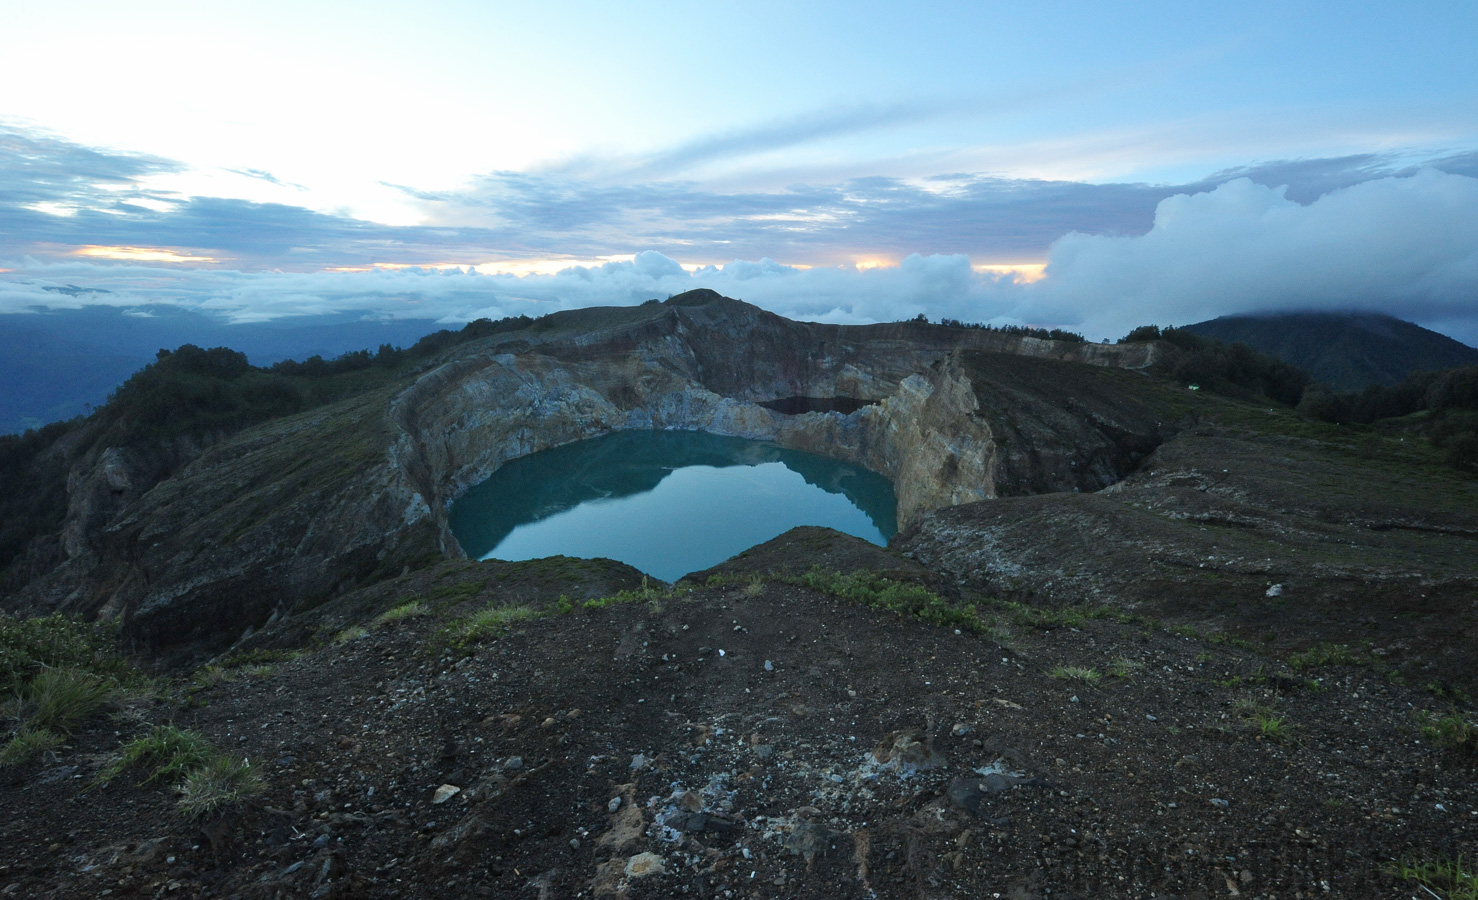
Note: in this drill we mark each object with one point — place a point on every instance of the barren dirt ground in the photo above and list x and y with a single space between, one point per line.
765 740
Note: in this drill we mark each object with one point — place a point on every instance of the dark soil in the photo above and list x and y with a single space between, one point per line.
764 740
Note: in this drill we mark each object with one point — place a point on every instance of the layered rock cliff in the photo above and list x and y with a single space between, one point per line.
290 512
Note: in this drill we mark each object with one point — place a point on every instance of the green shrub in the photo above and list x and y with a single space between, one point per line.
1142 333
29 645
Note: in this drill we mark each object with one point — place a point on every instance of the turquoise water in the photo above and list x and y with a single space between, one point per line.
666 502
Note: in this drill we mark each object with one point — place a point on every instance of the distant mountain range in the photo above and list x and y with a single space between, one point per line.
1345 351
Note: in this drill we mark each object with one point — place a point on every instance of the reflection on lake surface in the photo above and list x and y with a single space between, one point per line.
666 502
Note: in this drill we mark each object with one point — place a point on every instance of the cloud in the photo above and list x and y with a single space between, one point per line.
1366 231
1404 245
1407 246
57 196
937 285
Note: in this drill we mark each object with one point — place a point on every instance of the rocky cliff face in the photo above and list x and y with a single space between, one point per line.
295 510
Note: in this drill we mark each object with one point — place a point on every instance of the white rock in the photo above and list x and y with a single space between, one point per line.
445 793
644 864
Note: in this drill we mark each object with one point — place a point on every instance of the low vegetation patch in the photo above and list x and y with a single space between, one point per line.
352 633
27 743
1451 732
57 673
207 779
1324 654
28 646
905 599
221 782
644 594
1453 877
58 699
1077 673
1045 618
411 610
484 625
258 657
1263 720
168 751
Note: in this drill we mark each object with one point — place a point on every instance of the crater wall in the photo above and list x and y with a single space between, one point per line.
286 514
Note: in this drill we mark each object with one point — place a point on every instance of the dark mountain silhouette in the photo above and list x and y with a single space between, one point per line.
1345 351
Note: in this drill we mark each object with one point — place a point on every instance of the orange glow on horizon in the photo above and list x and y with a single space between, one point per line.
1025 273
143 254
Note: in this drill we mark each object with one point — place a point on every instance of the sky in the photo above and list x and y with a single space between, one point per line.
1087 165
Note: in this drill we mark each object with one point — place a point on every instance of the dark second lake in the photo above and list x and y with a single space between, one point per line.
666 502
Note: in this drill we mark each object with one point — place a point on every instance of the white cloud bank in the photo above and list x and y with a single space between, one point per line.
1406 245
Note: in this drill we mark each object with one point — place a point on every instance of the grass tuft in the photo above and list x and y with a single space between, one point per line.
27 743
484 625
1124 667
170 752
213 676
352 633
57 699
220 782
404 611
1076 673
1451 732
207 779
1263 720
1455 879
